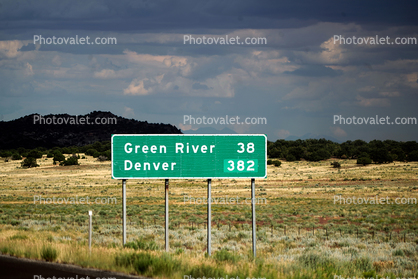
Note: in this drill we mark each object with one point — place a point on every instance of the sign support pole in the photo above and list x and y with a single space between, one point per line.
90 225
167 247
209 215
253 214
124 211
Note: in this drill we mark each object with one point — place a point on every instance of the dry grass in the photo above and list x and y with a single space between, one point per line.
298 195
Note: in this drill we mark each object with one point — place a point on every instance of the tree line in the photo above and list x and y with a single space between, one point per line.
99 150
375 151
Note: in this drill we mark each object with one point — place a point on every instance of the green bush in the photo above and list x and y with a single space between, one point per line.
29 163
125 259
224 255
70 162
277 163
18 236
398 252
290 158
149 265
5 154
16 157
141 244
58 157
314 260
204 270
336 164
35 154
363 263
364 161
413 156
90 152
49 254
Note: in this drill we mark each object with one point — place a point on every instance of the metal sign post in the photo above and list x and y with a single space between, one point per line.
209 215
253 214
167 248
124 211
90 225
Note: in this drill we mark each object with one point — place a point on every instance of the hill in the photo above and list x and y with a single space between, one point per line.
30 132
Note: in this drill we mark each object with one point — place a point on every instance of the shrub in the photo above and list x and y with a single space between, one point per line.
413 156
203 270
364 161
29 163
125 259
102 158
141 244
18 236
336 164
50 155
277 163
314 260
58 157
70 162
148 264
49 254
363 263
16 157
290 158
224 255
35 154
90 152
398 252
5 154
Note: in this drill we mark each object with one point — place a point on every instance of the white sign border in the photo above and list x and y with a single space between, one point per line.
197 177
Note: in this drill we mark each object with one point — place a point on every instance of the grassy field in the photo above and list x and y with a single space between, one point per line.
302 232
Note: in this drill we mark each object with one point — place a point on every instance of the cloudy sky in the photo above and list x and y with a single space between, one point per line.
297 81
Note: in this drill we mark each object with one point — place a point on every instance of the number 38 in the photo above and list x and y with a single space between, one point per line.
250 147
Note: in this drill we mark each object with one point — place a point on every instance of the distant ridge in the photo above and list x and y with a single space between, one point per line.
24 133
313 136
210 130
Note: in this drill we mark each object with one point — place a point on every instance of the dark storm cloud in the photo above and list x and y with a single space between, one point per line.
190 14
298 80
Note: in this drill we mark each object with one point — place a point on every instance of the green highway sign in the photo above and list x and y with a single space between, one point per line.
189 156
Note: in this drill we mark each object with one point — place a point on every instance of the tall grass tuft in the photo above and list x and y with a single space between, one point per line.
49 253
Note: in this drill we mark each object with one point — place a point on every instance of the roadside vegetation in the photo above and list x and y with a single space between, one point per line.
301 231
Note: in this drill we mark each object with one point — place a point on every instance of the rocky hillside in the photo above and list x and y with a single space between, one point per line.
24 132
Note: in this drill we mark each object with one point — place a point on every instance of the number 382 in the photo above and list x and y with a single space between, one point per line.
241 165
